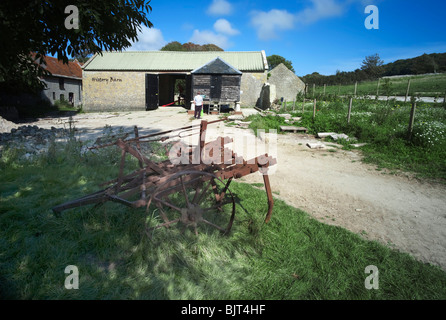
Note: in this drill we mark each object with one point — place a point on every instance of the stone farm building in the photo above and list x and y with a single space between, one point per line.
144 80
64 83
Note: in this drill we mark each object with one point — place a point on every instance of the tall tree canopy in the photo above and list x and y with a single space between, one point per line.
274 60
372 65
189 46
39 26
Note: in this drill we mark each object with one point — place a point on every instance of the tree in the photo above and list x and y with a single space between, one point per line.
83 56
173 46
41 28
372 65
274 60
189 46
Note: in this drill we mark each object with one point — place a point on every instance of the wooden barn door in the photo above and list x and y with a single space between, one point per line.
215 87
152 88
189 94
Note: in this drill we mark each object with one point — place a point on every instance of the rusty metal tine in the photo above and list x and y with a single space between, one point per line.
270 198
184 192
121 170
214 225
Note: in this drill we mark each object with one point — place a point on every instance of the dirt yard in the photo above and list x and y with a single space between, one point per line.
334 186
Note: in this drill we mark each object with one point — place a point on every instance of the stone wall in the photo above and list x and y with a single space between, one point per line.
54 91
125 90
287 84
251 87
114 91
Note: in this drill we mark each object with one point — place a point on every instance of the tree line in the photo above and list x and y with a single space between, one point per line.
373 67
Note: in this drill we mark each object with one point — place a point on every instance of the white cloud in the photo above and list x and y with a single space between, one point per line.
269 23
220 8
320 9
149 39
224 26
210 37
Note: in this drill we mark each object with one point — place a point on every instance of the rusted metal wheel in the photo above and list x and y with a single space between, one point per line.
195 198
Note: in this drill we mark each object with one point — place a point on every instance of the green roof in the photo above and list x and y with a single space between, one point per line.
174 60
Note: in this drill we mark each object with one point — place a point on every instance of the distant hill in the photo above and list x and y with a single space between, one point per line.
426 63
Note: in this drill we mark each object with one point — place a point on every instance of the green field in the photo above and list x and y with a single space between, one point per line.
292 257
383 125
423 85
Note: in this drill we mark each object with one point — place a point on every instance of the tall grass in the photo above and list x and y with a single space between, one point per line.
292 257
383 125
423 85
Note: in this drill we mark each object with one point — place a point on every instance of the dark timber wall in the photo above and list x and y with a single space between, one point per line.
218 81
217 87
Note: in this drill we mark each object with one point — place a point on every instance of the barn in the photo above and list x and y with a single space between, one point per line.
218 81
145 80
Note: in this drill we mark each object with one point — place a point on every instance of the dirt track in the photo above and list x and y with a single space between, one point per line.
335 187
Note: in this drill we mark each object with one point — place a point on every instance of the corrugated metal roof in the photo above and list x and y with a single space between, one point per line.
174 60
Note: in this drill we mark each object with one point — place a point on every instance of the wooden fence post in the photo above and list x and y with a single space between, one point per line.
324 89
356 86
377 88
411 121
314 88
314 108
349 110
407 92
294 104
303 106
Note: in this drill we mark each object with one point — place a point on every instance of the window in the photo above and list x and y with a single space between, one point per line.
54 96
61 84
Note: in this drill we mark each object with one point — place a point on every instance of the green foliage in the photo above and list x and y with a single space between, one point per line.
384 126
274 60
40 29
189 46
423 85
372 67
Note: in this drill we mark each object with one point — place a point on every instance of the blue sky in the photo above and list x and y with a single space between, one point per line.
316 35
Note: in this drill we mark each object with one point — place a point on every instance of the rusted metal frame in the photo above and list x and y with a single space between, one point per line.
138 145
174 130
94 198
139 156
181 174
154 180
125 179
121 171
269 196
156 134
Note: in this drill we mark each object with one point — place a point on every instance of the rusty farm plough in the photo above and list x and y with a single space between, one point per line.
193 192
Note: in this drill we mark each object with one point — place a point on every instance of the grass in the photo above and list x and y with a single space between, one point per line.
422 85
383 125
292 257
43 109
